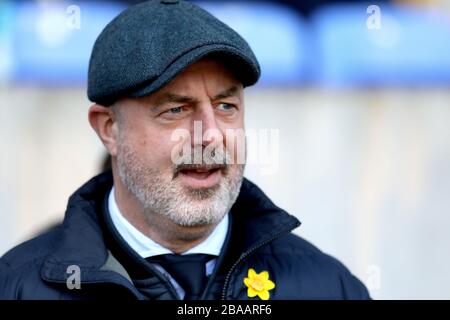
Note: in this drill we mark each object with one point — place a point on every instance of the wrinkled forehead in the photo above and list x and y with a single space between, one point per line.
205 79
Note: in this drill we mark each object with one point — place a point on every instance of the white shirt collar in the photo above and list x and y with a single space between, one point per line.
146 247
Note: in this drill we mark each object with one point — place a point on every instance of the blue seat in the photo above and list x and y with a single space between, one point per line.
6 31
278 36
412 47
48 48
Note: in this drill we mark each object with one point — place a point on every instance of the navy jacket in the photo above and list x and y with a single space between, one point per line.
259 237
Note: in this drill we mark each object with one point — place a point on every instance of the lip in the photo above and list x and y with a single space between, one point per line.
200 180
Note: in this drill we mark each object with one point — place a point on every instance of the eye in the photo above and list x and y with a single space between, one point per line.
175 110
175 113
226 106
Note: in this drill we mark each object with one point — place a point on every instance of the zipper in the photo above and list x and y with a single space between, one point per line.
249 252
169 284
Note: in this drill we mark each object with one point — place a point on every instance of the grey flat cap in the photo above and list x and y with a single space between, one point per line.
149 44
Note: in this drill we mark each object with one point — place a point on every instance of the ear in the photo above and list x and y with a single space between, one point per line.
104 122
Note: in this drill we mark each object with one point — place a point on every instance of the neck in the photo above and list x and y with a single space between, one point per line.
157 227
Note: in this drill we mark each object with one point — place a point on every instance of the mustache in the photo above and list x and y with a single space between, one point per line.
217 159
201 166
206 167
203 157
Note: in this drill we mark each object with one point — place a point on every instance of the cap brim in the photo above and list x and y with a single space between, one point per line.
246 70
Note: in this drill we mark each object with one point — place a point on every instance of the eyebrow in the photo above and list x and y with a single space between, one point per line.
227 93
172 97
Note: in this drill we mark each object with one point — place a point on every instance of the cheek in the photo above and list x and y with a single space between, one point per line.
235 144
157 151
153 143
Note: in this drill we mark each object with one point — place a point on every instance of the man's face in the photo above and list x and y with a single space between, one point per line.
194 113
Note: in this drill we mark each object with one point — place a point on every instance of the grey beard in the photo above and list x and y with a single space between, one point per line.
166 196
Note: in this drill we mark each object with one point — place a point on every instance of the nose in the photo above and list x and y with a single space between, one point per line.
206 128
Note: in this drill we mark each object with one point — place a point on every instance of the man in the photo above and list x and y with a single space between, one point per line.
175 219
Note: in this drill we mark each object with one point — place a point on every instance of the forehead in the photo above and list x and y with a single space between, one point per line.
205 77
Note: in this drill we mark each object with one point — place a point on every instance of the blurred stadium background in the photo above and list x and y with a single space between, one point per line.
363 116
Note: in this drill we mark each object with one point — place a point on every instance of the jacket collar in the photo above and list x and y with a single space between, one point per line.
82 243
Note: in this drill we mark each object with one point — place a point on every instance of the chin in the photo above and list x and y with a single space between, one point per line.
197 217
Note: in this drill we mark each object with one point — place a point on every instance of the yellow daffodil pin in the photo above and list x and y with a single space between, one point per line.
258 284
